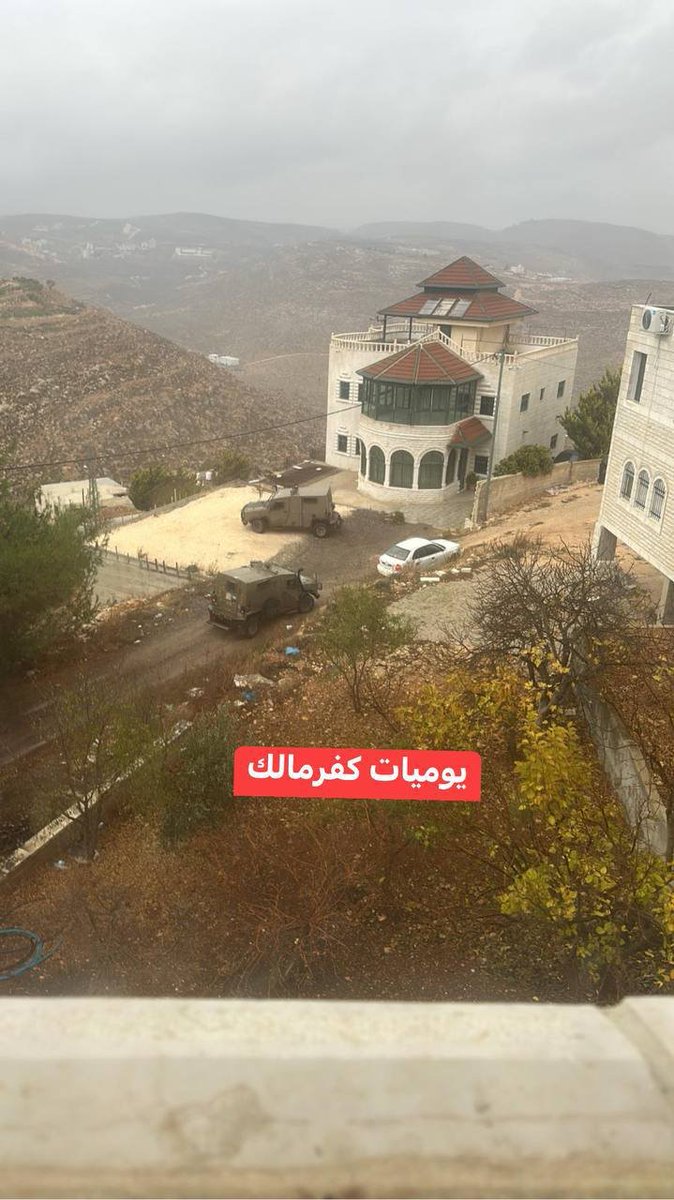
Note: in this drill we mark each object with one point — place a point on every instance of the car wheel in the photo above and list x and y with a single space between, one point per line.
258 525
306 602
320 529
252 626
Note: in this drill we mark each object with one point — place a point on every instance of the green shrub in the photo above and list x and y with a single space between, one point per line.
526 460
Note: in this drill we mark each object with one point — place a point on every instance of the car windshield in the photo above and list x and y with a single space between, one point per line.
397 552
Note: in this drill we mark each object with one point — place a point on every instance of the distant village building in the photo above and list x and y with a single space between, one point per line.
193 252
223 360
636 507
411 400
75 492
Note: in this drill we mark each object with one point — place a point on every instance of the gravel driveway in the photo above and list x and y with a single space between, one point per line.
435 607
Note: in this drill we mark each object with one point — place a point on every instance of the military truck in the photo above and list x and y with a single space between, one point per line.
288 508
243 598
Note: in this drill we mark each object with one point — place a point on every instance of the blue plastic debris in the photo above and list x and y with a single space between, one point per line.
248 695
292 651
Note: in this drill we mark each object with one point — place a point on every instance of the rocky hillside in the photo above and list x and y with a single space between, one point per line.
77 383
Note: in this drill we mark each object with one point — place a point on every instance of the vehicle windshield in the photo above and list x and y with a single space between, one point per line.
397 552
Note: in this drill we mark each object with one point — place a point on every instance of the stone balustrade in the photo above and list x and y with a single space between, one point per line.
207 1098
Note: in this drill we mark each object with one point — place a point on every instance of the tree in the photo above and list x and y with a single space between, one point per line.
590 423
101 735
192 779
527 460
559 612
228 464
553 847
357 633
47 571
156 485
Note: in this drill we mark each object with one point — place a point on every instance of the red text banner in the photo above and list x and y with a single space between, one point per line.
339 774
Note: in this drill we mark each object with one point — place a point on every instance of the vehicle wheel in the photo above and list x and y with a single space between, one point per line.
252 626
306 602
258 525
320 529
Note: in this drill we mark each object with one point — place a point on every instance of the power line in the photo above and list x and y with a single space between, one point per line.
123 457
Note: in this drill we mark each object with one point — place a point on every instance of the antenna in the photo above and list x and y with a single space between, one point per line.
648 297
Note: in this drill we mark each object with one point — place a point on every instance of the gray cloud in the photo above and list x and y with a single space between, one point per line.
338 113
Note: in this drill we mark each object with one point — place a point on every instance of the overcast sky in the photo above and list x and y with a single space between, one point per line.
340 112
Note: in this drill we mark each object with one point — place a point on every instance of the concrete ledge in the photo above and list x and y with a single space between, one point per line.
235 1098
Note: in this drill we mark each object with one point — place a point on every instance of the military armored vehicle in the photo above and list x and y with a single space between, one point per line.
243 598
289 508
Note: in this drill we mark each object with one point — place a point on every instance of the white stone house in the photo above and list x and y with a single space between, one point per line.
636 507
411 400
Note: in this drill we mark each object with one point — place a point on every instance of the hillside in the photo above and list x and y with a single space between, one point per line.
78 382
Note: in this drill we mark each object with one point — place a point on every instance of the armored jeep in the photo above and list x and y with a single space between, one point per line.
241 599
289 508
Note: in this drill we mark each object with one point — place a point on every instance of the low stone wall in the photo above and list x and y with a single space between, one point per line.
626 770
511 491
202 1098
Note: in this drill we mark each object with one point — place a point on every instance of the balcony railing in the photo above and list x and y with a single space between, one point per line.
398 338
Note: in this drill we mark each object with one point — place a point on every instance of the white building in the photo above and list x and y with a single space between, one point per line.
77 492
411 400
635 507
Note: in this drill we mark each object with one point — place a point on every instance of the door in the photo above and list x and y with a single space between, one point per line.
278 514
461 471
290 595
425 556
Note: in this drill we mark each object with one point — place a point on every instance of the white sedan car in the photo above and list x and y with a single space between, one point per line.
416 554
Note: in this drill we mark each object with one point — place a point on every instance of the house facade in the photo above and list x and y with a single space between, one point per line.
636 507
411 400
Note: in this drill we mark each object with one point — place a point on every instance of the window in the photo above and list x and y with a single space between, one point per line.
636 376
487 406
426 551
560 388
342 443
359 393
524 402
553 441
401 473
431 470
541 394
377 465
642 489
344 389
451 467
481 464
627 482
657 499
363 459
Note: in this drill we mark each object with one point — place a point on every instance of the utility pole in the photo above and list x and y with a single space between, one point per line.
497 401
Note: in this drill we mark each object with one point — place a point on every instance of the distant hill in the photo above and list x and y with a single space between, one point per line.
586 249
77 381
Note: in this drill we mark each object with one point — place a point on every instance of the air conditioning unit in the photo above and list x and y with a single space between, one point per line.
657 320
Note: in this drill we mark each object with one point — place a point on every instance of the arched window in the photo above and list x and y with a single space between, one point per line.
657 499
627 482
363 459
643 483
377 465
430 470
401 471
451 467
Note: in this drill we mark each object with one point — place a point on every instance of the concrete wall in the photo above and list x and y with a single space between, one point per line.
510 491
113 1097
643 434
627 771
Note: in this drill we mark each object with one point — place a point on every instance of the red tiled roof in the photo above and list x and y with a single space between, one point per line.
469 432
427 362
484 306
462 273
